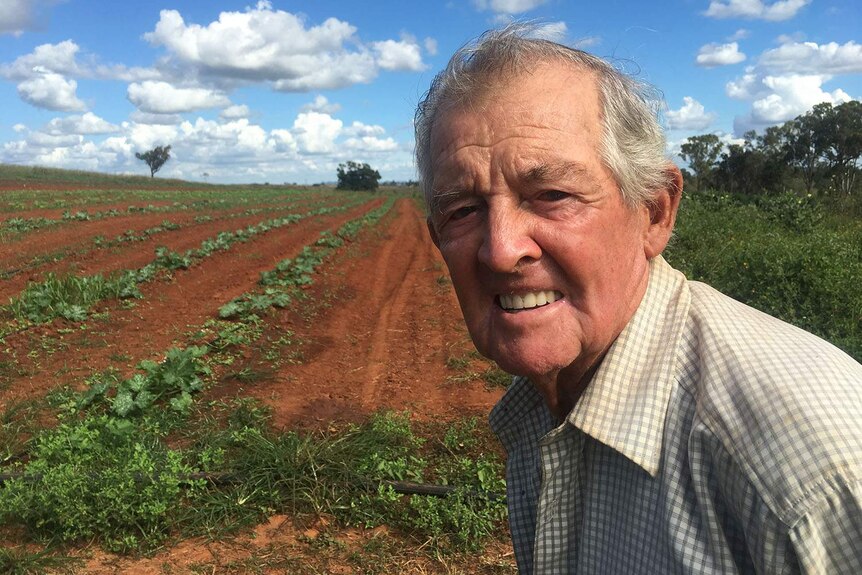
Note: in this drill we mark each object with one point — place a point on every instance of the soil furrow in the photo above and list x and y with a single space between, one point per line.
132 255
381 341
162 319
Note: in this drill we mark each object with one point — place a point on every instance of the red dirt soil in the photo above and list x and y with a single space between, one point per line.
380 323
75 240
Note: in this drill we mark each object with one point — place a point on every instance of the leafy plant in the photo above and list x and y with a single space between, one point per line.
175 379
68 297
100 477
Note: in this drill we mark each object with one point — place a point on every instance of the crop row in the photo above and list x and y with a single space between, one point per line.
280 283
134 459
18 225
166 226
45 199
71 297
131 235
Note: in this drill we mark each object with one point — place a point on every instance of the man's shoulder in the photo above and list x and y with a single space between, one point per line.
785 405
733 340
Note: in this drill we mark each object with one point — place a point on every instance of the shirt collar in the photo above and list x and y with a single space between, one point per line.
510 413
625 404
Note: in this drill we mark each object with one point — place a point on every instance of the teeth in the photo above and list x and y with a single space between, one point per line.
529 300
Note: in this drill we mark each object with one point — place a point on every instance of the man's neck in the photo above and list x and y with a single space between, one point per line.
564 388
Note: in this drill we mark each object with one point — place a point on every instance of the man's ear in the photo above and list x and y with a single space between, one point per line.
431 230
662 212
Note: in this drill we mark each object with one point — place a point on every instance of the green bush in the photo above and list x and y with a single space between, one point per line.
100 477
782 257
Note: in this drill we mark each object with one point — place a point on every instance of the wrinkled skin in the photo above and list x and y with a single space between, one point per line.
522 204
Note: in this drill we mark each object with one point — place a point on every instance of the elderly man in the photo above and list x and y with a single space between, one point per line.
654 425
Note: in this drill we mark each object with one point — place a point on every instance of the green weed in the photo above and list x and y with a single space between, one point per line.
19 561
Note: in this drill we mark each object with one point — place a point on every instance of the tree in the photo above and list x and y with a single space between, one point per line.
155 158
701 153
840 140
356 176
801 147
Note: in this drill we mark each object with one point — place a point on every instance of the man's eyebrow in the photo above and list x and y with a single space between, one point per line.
442 197
552 172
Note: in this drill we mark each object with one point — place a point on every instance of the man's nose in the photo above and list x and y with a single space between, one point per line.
508 241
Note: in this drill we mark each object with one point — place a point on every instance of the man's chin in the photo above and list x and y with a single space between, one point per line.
534 365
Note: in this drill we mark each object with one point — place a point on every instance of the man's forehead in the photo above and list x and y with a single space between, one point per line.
519 97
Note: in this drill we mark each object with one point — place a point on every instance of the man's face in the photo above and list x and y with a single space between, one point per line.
547 262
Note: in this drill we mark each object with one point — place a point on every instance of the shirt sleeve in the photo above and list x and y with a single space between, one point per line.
828 537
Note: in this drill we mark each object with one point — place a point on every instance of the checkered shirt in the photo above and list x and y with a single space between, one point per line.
713 438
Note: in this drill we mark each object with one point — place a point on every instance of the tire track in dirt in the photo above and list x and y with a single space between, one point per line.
166 313
384 340
388 296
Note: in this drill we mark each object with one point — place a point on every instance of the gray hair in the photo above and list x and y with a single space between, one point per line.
633 143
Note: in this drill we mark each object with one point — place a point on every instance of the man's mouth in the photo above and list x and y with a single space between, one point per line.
530 300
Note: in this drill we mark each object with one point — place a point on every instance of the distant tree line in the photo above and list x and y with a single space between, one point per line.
816 153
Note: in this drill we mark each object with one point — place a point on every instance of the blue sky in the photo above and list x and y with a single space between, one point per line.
283 91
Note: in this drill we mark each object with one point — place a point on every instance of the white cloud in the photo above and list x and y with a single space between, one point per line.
19 128
18 16
785 97
87 124
370 144
756 9
740 34
788 81
554 31
401 55
508 6
430 46
266 45
691 116
235 112
59 58
793 95
45 140
329 73
229 150
51 91
163 98
142 137
316 132
322 105
811 58
15 16
159 119
712 55
283 141
746 87
207 139
587 42
62 58
358 129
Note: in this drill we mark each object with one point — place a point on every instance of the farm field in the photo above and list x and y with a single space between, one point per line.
193 325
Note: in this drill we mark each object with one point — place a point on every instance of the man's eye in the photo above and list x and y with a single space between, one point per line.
553 196
462 212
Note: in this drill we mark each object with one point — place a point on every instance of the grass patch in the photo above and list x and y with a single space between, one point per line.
496 377
19 561
136 459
